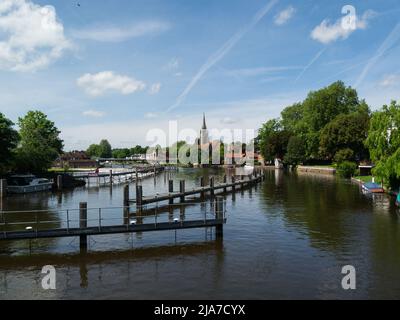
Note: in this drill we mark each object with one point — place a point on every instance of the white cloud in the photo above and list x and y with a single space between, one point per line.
31 36
327 33
119 34
93 113
284 16
390 80
103 82
155 88
151 115
228 120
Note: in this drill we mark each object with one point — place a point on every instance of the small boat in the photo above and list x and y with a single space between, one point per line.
372 187
21 184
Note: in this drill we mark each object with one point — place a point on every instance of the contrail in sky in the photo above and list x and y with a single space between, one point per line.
218 55
389 42
310 64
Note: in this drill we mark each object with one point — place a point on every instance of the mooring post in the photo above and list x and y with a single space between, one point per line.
83 224
224 181
111 177
182 190
3 188
219 216
126 204
59 182
139 198
171 190
233 183
202 185
212 192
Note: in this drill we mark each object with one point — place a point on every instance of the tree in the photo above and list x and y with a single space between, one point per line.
105 149
296 151
384 144
40 143
320 108
8 141
346 131
121 153
94 151
273 140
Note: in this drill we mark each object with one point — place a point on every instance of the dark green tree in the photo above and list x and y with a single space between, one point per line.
346 131
105 149
296 151
40 143
8 141
320 108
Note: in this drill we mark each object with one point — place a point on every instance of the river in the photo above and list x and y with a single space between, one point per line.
287 238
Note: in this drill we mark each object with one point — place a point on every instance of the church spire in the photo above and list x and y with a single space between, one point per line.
204 122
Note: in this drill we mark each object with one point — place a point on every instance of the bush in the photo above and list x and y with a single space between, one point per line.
344 155
347 169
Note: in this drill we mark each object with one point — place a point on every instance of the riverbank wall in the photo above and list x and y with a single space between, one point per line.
316 170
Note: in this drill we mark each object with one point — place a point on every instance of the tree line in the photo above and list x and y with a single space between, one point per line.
104 150
33 148
334 126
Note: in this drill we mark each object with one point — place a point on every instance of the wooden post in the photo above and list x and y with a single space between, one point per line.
83 224
182 190
111 177
139 198
171 190
224 181
59 182
212 187
137 177
202 184
126 204
3 188
219 216
233 183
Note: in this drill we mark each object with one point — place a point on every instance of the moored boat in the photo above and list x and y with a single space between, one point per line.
372 187
20 184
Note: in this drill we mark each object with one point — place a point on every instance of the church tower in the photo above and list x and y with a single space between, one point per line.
204 139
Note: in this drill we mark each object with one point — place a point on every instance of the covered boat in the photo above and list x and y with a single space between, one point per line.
28 184
372 187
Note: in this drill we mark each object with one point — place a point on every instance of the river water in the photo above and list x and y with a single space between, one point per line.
288 238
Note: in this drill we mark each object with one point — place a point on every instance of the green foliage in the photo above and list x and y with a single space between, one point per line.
344 155
347 169
384 144
137 150
308 119
273 140
105 149
101 150
8 141
296 151
346 131
121 153
94 151
40 143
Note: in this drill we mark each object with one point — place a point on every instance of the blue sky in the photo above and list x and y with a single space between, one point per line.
117 68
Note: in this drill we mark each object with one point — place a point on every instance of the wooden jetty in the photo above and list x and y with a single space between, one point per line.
142 220
111 177
211 189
